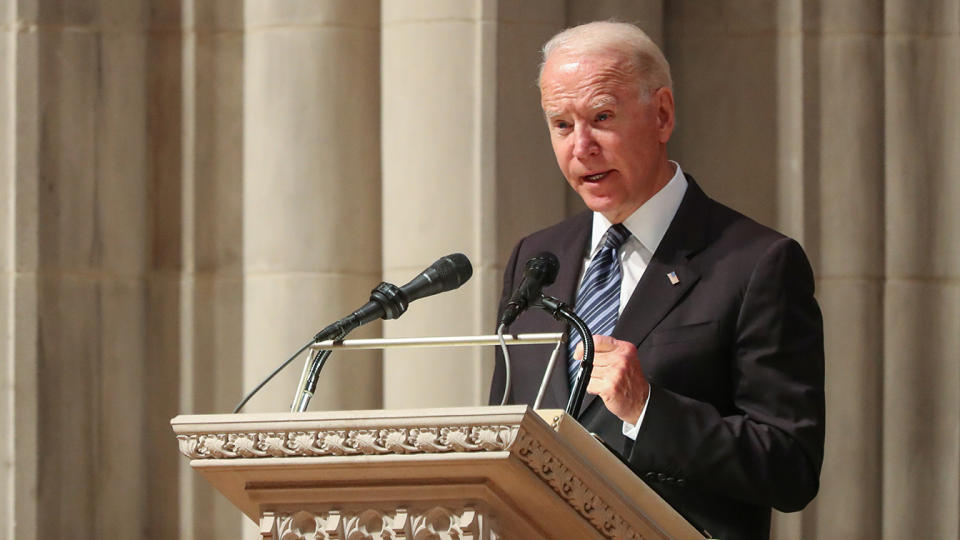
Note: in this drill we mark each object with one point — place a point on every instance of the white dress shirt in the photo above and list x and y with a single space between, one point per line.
647 225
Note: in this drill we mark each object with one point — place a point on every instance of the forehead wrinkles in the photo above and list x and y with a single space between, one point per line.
586 83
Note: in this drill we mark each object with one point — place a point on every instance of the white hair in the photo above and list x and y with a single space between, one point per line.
642 56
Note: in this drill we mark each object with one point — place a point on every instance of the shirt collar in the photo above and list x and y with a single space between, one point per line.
648 223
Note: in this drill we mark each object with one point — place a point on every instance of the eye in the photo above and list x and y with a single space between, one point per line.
604 116
561 125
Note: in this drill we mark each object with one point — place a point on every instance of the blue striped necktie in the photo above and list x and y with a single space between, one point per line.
598 300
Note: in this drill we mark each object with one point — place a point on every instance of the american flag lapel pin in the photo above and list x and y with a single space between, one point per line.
672 276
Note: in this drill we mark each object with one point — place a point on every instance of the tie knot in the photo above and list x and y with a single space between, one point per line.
616 236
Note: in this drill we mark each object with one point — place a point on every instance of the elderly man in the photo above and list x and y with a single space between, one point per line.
709 345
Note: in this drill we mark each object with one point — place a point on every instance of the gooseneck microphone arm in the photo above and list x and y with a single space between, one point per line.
272 374
387 301
563 313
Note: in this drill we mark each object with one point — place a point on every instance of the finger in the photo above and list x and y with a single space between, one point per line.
610 359
578 351
602 360
604 369
596 385
604 343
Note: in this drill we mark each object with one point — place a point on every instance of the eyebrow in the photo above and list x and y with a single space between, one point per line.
551 114
601 103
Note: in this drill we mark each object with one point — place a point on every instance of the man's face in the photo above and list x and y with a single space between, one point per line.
610 144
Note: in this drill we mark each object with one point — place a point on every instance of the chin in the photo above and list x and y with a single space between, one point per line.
600 204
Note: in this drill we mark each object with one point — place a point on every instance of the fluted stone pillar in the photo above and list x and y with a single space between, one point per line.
921 446
467 167
264 139
196 112
18 351
311 195
529 187
722 55
90 267
168 284
847 99
74 258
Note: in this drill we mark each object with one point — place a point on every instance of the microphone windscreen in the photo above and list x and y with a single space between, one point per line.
543 268
453 270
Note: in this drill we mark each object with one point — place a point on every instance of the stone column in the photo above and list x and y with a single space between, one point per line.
311 195
467 167
844 109
921 447
18 327
723 55
74 308
196 289
166 477
265 147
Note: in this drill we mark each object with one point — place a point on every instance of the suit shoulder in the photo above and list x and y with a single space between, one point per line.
732 228
554 235
562 229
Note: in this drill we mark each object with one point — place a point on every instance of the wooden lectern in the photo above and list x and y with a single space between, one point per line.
478 473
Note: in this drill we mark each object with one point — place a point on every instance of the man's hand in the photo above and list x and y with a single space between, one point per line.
617 377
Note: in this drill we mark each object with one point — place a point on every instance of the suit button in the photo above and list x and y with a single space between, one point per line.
671 479
650 475
661 477
681 482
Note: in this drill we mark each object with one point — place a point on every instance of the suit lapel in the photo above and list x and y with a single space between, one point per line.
653 298
656 294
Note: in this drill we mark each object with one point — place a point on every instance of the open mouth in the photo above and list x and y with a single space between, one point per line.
596 177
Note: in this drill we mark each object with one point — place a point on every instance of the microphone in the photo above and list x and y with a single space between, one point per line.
387 301
539 272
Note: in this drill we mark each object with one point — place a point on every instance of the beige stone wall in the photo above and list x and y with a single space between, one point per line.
190 189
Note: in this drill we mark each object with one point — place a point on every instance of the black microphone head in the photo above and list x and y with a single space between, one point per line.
453 270
543 268
539 272
446 274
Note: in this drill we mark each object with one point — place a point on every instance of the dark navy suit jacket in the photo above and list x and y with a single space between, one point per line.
733 353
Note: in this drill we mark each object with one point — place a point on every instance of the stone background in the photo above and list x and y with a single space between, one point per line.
189 189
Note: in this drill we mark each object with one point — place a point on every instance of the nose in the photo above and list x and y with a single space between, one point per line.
584 144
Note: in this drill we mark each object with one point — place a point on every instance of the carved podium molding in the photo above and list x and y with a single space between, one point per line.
573 490
400 523
443 473
348 442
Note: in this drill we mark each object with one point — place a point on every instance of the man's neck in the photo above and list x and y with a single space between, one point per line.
665 172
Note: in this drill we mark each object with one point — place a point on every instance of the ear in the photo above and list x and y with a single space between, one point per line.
663 100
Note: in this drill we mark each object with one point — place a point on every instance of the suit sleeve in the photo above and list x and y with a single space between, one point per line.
769 451
499 372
